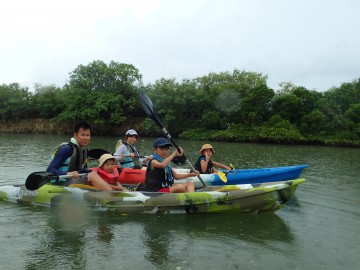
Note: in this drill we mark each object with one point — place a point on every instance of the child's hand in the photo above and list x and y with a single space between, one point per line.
179 153
196 173
75 174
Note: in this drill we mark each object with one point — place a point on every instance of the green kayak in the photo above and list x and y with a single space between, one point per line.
246 198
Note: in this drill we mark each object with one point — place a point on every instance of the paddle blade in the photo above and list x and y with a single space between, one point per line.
148 108
232 166
38 179
181 160
222 176
97 153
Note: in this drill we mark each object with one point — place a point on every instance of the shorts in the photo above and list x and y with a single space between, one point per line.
83 179
165 190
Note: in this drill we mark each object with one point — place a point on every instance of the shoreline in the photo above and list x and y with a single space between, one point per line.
46 126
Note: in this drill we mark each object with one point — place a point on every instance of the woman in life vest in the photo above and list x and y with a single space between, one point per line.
127 153
108 172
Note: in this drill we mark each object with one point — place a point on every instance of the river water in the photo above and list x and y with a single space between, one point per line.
318 229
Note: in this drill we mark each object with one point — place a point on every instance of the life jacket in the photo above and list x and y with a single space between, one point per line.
110 177
209 168
156 178
129 162
78 160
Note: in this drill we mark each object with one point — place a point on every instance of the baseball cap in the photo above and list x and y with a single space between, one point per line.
160 142
131 132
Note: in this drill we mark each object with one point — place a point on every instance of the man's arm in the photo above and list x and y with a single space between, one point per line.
61 156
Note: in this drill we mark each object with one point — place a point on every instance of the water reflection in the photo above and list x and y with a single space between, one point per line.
162 233
162 241
57 247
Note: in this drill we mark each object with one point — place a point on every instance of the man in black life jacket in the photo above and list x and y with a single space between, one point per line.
71 159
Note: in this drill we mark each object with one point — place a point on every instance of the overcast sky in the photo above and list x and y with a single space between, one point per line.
311 43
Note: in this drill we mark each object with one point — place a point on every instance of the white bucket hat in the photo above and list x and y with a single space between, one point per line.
104 158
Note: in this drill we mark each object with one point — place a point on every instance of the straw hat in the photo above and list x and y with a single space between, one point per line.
206 146
104 158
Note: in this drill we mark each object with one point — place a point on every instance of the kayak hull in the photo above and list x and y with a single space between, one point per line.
265 197
235 177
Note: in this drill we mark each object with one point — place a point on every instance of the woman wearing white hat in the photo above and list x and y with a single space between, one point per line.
126 152
205 164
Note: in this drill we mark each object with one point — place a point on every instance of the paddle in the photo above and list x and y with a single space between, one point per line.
97 153
222 176
37 179
148 108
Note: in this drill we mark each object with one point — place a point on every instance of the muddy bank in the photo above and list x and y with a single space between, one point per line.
45 126
39 126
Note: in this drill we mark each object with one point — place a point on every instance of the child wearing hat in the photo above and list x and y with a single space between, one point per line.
205 164
160 176
109 173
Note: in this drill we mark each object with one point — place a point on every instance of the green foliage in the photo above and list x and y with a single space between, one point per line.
211 120
102 94
353 113
197 134
294 102
288 106
276 121
314 123
48 101
14 102
279 135
227 106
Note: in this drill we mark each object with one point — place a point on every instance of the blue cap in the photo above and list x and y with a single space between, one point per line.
161 142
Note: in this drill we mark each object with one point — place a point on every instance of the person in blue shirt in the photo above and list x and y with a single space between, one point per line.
71 159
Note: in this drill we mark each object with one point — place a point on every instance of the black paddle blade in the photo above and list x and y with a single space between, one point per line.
38 179
97 153
148 108
179 160
146 103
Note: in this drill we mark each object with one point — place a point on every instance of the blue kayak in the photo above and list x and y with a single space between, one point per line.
251 176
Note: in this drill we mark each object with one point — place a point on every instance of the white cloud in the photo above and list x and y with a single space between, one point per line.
309 43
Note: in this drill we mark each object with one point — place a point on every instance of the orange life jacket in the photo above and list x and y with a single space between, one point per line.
110 177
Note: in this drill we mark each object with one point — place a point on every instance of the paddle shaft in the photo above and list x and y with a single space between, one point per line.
166 133
70 175
130 156
97 153
148 107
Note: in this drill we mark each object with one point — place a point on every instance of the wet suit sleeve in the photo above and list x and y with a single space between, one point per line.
63 154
